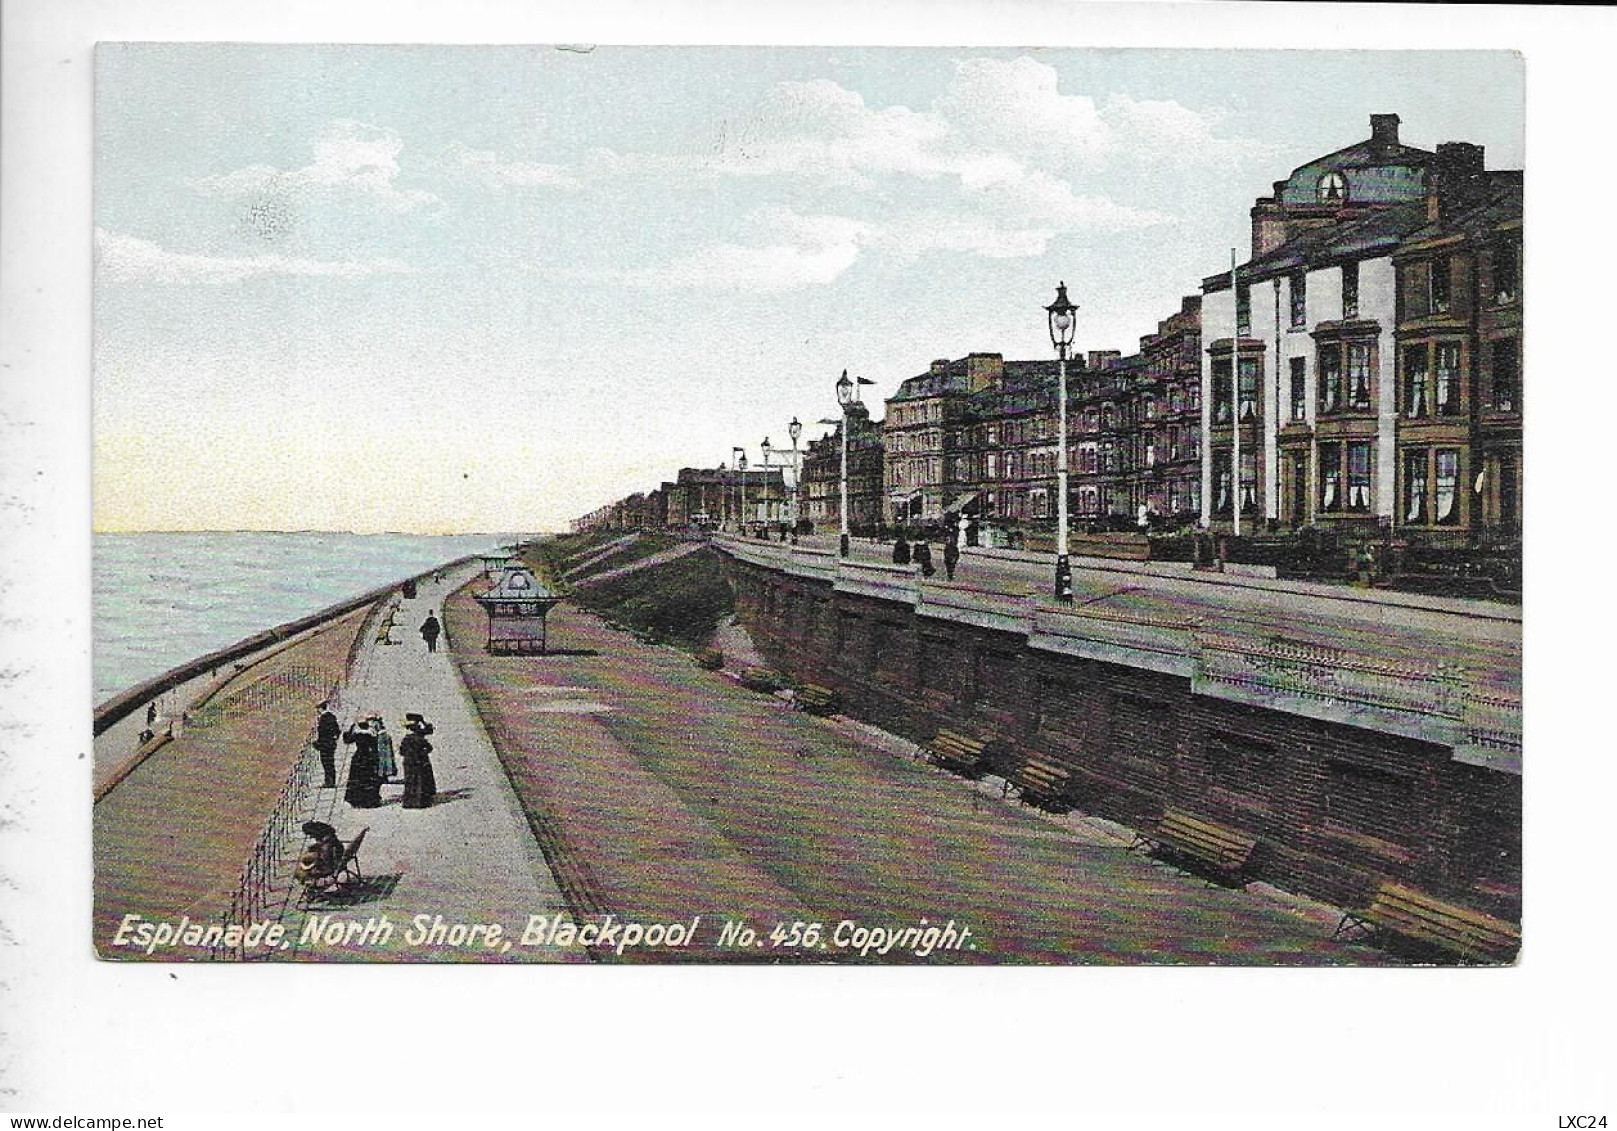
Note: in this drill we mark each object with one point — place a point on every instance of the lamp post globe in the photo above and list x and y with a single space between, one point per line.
1062 318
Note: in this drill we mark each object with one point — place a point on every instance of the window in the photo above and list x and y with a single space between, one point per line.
1358 497
1299 389
1415 280
1330 378
1249 481
1506 376
1222 393
1506 272
1039 502
1441 275
1417 400
1299 299
1447 378
1448 479
1415 503
1243 310
1358 356
1249 387
1330 478
1221 481
1350 290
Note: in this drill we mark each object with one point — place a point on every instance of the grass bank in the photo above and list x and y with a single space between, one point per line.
680 601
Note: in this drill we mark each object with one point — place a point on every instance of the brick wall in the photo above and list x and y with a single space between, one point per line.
1337 808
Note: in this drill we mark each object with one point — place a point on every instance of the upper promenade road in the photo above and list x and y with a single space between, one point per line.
1482 637
470 858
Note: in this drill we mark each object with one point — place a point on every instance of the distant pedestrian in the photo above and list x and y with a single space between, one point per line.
364 790
923 558
901 551
420 786
387 768
951 554
151 713
430 628
326 732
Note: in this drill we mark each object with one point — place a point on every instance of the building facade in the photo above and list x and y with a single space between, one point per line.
1344 375
820 496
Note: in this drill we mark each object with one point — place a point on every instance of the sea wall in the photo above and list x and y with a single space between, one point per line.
1348 772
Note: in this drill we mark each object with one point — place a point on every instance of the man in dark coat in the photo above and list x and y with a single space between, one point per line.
420 786
951 550
430 628
901 551
327 730
923 558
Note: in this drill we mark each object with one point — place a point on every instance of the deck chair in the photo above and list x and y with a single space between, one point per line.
345 872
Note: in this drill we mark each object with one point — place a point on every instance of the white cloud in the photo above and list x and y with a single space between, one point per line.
1014 106
794 251
486 167
351 159
121 258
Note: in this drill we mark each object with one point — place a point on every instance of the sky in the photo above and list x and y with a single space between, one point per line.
455 289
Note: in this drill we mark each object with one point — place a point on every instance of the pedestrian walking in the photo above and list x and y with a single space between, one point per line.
326 732
151 713
387 767
420 786
951 555
364 790
430 629
901 551
923 558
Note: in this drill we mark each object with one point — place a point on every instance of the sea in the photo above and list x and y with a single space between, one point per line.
163 599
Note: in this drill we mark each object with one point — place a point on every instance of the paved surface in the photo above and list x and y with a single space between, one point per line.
171 838
1484 637
667 792
470 859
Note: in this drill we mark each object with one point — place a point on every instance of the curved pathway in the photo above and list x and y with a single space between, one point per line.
470 859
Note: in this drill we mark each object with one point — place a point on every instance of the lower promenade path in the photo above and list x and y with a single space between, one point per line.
469 860
665 793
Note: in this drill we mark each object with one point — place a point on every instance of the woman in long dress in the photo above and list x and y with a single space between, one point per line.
387 768
364 790
420 786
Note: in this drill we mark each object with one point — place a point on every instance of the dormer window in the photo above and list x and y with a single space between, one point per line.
1332 188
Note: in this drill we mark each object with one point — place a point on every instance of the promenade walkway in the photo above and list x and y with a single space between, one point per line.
1482 636
470 858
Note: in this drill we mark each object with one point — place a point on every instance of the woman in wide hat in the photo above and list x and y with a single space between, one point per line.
420 786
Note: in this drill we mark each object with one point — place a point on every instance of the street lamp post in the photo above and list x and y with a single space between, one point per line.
1062 323
794 430
766 447
847 394
741 466
738 459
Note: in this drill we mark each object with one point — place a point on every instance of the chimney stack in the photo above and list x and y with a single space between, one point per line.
1384 132
1455 181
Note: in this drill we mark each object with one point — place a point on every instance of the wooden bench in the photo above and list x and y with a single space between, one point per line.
1412 914
958 752
1225 850
766 680
710 658
816 699
1040 783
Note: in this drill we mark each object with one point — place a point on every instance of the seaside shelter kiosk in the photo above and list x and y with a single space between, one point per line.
496 561
516 609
